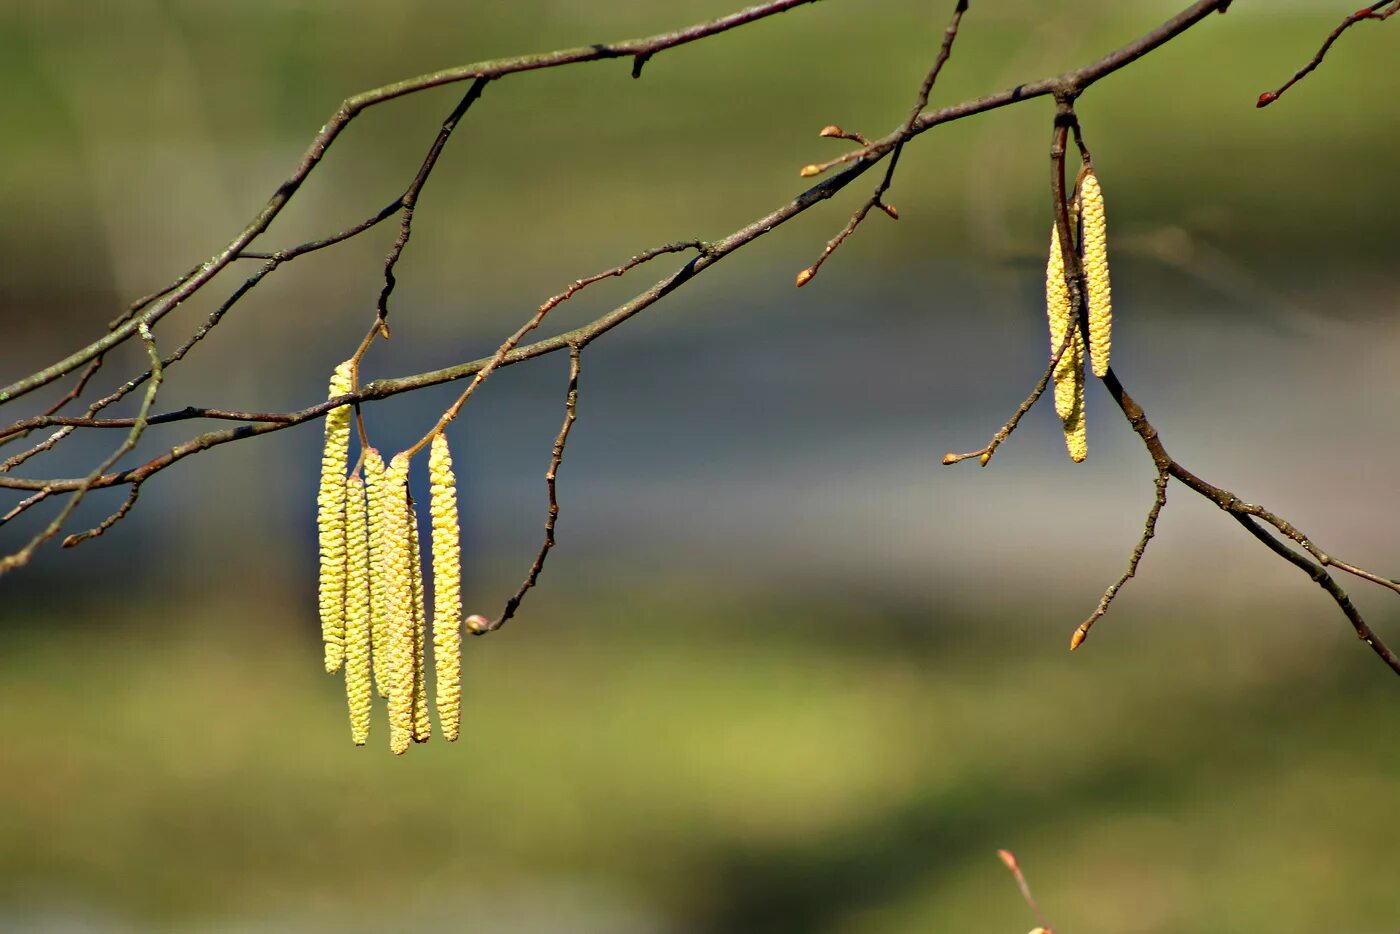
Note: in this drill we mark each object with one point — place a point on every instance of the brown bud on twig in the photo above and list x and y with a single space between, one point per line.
832 129
807 171
890 209
805 276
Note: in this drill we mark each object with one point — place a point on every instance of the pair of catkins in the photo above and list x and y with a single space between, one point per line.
372 603
1092 248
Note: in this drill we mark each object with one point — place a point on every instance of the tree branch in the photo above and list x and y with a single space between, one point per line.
347 112
1371 12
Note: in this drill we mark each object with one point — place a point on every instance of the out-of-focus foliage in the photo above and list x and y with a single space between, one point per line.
640 764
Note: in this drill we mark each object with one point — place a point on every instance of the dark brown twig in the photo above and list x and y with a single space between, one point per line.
984 455
1246 515
478 625
902 136
1149 529
409 201
21 557
555 301
1370 12
1068 83
1243 512
80 537
351 108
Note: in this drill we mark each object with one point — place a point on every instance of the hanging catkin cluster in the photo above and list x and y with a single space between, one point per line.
1087 212
372 594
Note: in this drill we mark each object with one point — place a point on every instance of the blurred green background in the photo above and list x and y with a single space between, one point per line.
784 672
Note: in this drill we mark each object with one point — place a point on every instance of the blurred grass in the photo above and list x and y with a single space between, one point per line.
715 762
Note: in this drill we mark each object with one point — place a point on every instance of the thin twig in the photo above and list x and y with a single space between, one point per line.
984 455
21 557
1246 514
903 135
26 503
80 537
1329 584
1370 12
1069 82
410 200
1149 529
511 342
351 108
477 624
1009 860
41 447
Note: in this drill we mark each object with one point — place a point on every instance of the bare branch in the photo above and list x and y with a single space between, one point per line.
950 34
21 557
1371 12
1245 514
327 135
131 496
409 201
478 625
713 252
984 455
1149 529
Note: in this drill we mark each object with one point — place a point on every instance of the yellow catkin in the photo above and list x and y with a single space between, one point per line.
1057 310
1069 371
447 588
359 688
1096 273
378 570
398 625
1076 431
422 722
330 521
